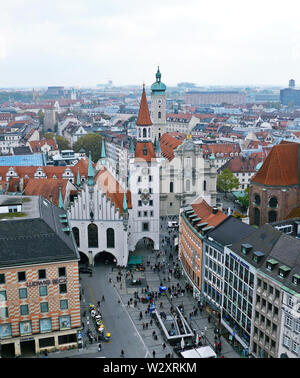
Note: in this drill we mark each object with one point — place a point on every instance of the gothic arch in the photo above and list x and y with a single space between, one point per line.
92 236
76 234
110 238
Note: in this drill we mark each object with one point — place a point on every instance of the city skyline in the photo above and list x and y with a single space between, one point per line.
91 42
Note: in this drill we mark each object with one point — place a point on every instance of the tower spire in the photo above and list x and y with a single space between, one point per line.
90 171
60 203
125 206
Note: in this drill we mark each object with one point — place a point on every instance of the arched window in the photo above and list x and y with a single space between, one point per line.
159 114
256 216
149 132
187 185
92 236
273 202
110 238
272 216
257 199
76 235
171 187
140 132
144 132
204 185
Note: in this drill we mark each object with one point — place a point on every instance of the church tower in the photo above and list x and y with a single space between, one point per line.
158 107
143 123
144 172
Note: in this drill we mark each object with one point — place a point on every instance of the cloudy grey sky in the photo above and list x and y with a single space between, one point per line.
85 42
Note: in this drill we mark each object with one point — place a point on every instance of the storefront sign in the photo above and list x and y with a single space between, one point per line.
47 282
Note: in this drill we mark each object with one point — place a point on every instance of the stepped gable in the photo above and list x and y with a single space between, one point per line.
280 167
113 190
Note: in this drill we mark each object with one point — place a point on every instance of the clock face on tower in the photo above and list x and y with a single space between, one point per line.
159 102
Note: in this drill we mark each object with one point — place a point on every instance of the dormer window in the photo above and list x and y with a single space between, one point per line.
257 256
246 248
283 271
296 279
270 264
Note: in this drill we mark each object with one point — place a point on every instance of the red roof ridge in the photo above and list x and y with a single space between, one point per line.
144 115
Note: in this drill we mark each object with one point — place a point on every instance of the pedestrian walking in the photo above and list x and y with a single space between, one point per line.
122 353
99 347
208 319
164 346
153 353
103 298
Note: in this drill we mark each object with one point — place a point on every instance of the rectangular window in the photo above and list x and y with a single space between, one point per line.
21 276
46 326
23 293
2 278
44 307
297 326
43 291
139 213
150 178
3 312
65 322
62 288
288 321
3 296
290 302
42 274
62 272
24 310
151 203
295 347
64 304
151 213
145 213
145 226
286 341
25 328
139 203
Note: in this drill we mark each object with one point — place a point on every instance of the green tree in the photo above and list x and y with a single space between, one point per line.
244 200
90 142
62 143
49 135
227 181
41 116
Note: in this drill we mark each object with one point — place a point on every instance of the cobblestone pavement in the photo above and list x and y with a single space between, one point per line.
120 292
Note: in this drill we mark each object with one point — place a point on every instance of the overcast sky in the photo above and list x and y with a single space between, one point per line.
86 42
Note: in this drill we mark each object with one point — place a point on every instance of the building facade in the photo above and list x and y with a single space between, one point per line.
39 282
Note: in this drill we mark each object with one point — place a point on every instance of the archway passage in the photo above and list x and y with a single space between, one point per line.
83 259
144 244
105 258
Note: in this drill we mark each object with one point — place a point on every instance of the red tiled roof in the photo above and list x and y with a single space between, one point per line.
144 115
48 188
139 151
240 164
39 143
205 212
109 185
169 142
280 167
221 148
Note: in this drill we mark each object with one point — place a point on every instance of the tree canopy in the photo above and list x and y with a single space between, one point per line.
62 143
244 201
227 181
90 142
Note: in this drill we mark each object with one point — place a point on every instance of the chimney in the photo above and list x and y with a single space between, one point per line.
214 210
